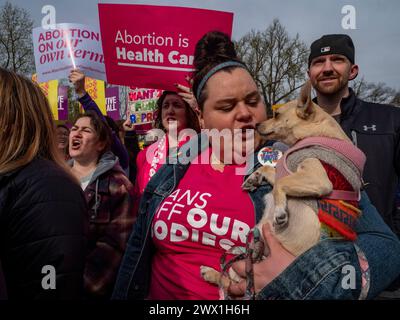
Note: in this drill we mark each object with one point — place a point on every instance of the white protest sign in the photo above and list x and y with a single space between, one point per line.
68 46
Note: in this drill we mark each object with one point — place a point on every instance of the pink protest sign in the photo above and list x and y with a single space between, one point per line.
152 46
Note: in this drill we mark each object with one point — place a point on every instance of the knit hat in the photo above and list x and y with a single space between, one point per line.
332 44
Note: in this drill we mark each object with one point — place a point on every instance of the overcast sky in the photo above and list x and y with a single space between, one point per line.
376 37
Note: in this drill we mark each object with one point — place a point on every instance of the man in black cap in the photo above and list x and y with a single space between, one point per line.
374 128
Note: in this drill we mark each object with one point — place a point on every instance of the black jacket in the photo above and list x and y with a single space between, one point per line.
43 221
375 129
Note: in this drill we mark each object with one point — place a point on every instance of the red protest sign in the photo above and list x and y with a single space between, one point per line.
152 46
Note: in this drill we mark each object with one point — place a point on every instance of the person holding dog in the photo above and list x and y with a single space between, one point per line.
374 128
194 211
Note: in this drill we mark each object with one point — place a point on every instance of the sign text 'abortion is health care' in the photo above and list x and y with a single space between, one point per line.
152 46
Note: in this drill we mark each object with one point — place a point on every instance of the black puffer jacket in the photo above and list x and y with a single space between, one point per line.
375 129
43 221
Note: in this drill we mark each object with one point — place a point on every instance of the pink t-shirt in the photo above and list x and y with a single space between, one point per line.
206 215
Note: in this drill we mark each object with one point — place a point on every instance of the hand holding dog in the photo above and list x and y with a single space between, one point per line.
266 270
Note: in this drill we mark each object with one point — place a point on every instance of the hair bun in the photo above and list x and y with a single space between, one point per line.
213 48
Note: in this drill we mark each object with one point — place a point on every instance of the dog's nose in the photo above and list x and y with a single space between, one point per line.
257 125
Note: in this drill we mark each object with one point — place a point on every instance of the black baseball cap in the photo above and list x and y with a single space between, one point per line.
332 44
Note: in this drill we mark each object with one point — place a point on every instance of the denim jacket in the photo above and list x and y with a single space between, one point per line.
316 274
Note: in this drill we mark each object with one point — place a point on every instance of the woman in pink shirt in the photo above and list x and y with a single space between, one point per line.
205 211
175 112
195 210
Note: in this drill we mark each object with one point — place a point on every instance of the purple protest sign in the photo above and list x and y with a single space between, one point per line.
112 102
62 103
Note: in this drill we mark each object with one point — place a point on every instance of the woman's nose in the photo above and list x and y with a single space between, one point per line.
170 109
77 133
243 112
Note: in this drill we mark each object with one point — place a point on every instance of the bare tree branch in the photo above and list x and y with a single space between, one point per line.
277 61
375 92
16 48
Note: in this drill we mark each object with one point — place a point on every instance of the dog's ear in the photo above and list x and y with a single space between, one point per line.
305 107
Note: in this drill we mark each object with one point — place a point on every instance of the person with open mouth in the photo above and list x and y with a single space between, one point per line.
175 115
194 214
109 195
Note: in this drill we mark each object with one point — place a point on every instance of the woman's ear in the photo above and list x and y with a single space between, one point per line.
100 146
201 120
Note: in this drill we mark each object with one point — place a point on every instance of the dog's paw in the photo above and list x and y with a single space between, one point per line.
209 274
253 181
233 276
281 218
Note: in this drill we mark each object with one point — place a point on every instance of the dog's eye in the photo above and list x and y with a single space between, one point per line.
276 115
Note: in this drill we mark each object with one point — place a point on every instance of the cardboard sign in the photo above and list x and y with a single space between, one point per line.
141 99
152 46
142 104
67 47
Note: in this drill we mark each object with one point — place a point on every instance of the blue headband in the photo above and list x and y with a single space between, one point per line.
210 73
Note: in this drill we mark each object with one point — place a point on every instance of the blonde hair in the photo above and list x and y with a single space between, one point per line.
26 124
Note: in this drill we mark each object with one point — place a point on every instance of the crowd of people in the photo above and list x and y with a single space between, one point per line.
117 222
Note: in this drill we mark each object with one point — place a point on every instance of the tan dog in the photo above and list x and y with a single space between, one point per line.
294 223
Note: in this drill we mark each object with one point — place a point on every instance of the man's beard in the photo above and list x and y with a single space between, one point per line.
338 85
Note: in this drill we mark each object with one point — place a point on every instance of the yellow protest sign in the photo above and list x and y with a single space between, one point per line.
50 90
96 90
